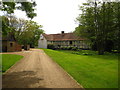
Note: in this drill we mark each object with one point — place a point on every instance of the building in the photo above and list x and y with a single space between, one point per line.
62 40
9 44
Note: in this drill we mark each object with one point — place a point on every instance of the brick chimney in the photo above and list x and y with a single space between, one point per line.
62 32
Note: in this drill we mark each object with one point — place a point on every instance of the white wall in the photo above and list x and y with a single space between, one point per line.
42 42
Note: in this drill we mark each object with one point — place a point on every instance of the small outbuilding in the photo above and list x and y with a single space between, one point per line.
9 44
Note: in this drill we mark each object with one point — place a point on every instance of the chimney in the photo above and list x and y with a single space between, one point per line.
62 32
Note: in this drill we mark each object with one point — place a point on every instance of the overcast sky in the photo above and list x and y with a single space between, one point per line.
56 15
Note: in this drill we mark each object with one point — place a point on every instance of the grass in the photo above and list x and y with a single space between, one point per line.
8 60
91 71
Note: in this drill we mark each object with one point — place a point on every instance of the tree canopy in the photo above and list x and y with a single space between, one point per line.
27 6
100 23
26 32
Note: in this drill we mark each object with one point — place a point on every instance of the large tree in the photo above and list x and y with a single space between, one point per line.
8 20
28 32
25 31
5 25
99 22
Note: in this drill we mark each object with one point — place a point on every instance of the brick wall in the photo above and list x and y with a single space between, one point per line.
18 47
13 46
4 46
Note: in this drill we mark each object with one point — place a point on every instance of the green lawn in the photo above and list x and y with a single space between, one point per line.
8 60
91 71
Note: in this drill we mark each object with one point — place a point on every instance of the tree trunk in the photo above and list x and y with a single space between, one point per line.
26 47
101 52
100 47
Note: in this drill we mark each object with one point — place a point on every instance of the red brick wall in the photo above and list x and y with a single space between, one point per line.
9 48
15 46
18 47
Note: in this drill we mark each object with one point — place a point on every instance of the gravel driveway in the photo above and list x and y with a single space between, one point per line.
37 70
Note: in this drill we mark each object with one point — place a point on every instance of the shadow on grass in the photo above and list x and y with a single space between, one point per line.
23 79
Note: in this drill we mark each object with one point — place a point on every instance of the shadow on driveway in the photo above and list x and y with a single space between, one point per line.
22 79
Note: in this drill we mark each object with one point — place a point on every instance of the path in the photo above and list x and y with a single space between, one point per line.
37 70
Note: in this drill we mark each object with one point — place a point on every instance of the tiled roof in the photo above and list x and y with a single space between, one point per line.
62 37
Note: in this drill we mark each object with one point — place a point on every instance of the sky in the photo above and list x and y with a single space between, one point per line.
56 15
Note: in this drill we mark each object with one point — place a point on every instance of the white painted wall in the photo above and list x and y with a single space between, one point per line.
42 42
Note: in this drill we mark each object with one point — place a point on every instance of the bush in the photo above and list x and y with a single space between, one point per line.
78 49
74 48
69 48
64 48
50 46
86 54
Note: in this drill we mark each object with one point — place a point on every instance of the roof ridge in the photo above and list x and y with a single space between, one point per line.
64 36
58 33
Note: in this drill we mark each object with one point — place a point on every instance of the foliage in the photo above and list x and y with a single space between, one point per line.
36 36
8 60
74 48
69 48
10 24
28 32
27 6
91 71
5 25
24 31
80 52
99 22
50 46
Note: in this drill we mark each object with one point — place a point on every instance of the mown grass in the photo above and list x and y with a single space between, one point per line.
91 71
8 60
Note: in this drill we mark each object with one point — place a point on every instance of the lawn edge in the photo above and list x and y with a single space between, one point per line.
65 71
13 65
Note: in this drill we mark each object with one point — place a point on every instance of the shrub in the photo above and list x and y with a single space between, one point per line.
69 48
74 48
86 54
78 49
50 46
64 48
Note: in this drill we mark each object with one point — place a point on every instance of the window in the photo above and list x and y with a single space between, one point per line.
59 46
70 42
11 44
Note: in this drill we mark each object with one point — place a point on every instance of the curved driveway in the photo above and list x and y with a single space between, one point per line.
37 70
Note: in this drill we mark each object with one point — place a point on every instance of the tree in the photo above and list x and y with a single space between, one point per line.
9 7
25 31
36 36
5 25
28 32
27 6
99 22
